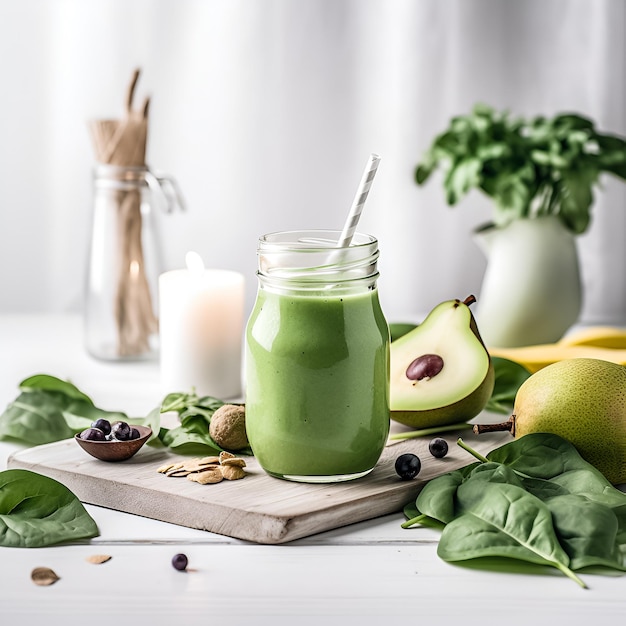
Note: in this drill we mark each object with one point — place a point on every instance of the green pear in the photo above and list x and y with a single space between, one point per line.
582 400
441 372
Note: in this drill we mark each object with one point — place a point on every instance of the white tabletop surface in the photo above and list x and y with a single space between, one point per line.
369 573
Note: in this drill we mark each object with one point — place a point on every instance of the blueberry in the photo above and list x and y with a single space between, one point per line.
92 434
134 434
120 431
438 448
408 466
179 562
103 425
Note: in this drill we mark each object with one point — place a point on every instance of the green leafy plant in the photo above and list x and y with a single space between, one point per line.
535 500
50 409
529 167
194 413
37 511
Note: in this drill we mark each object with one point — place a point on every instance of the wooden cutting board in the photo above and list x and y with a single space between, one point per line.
257 508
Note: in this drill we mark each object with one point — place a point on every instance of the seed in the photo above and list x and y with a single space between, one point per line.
209 476
438 448
224 455
408 466
180 562
209 460
236 462
98 559
43 576
232 472
424 367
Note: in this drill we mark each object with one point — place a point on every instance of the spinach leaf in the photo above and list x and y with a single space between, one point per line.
534 499
415 517
49 409
509 376
542 455
153 420
35 417
37 511
548 457
583 483
410 510
194 414
498 519
543 489
553 464
185 441
587 531
52 383
437 498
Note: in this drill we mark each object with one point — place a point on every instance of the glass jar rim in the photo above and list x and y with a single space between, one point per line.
313 240
311 260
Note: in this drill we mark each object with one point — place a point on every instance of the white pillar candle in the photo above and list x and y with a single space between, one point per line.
201 327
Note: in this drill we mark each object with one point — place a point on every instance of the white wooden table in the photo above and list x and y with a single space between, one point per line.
368 573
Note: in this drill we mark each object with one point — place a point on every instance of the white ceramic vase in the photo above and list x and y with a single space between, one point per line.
531 291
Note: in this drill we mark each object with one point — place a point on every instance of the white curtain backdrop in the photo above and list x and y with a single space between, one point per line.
266 111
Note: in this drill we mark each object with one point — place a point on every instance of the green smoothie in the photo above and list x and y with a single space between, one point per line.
317 370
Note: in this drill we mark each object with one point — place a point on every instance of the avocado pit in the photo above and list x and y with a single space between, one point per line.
424 367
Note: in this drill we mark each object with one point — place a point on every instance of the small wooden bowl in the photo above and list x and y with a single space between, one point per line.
115 450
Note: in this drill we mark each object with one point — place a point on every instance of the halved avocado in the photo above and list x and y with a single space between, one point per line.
441 372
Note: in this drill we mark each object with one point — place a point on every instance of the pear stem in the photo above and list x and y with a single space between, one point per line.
469 300
473 452
492 428
412 434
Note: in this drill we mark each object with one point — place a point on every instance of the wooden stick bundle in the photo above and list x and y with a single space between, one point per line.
123 143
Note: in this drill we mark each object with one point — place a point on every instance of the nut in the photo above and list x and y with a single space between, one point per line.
207 470
228 427
44 576
189 467
234 462
168 466
209 476
232 472
209 460
98 559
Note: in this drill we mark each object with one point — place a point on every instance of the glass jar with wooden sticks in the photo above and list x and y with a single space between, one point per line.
124 260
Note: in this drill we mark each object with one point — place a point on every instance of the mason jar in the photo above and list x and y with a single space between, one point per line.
120 309
317 358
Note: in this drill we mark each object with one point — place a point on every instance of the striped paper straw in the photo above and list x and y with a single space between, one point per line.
359 200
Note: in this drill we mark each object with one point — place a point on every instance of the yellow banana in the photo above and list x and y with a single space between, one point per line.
596 342
597 336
